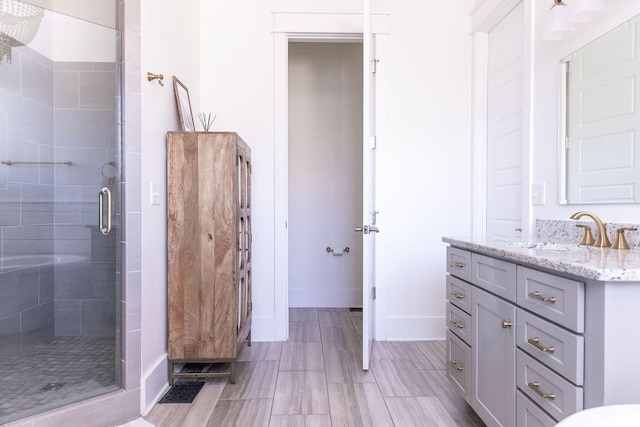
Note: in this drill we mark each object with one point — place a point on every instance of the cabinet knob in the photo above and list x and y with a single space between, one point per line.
506 325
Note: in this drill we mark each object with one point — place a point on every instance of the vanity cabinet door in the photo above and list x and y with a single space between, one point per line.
493 383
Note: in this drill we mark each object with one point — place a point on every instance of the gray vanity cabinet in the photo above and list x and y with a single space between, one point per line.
515 343
493 344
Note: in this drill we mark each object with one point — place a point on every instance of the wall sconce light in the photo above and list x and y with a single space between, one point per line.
586 10
559 25
562 16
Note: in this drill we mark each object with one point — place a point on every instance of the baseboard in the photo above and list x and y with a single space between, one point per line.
325 298
427 328
155 384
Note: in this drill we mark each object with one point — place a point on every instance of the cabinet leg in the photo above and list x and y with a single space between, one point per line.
232 375
249 338
170 373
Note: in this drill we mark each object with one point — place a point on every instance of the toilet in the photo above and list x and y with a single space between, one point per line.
605 416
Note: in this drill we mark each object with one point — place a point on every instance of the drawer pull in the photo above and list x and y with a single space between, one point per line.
536 343
537 296
458 264
457 295
457 324
535 386
454 364
506 324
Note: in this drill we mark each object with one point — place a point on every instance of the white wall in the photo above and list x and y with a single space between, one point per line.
547 55
171 46
423 168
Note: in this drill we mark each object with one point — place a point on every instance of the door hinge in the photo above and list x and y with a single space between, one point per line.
567 142
374 65
373 293
372 142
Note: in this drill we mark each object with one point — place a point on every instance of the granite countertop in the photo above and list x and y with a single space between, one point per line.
602 264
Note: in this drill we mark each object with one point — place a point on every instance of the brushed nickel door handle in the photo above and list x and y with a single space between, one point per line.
104 230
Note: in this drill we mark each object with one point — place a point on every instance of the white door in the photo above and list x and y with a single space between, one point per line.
368 228
603 152
505 126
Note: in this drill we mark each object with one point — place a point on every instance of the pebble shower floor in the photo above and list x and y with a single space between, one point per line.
51 374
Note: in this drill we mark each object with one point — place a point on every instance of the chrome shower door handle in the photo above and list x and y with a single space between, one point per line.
104 191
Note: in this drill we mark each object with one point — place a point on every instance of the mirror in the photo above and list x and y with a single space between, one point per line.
600 123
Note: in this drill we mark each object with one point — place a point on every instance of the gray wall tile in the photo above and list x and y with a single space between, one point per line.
98 90
37 81
67 90
19 291
10 325
28 120
85 128
36 318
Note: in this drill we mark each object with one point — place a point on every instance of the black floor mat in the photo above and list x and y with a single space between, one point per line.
182 392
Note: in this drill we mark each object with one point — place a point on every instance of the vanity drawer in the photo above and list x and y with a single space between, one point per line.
552 345
459 263
459 364
494 275
459 322
459 293
558 299
549 390
530 415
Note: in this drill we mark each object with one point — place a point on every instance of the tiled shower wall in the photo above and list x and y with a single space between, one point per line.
56 112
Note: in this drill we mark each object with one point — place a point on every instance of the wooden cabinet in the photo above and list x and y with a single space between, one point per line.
208 249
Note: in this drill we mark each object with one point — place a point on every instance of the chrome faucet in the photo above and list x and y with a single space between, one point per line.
602 241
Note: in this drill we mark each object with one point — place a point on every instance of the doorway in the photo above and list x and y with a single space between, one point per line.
325 107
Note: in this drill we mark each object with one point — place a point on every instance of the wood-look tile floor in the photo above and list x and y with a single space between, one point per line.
316 379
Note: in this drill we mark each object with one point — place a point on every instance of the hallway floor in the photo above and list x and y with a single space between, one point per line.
316 379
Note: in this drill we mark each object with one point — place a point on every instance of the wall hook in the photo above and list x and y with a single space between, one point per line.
159 77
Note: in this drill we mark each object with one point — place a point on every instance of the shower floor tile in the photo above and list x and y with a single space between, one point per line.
32 382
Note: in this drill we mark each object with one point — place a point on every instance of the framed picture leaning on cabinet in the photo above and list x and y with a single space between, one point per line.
183 103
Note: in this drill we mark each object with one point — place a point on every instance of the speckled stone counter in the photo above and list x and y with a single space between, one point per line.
602 264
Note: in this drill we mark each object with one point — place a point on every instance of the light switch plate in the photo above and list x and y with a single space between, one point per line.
538 197
155 193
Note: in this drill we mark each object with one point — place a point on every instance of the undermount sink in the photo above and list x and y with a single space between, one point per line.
547 246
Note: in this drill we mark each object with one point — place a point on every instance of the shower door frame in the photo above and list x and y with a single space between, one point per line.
122 405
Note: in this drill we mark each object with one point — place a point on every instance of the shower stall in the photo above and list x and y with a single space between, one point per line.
60 230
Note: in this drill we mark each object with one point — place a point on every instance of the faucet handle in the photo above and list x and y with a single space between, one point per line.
621 241
587 238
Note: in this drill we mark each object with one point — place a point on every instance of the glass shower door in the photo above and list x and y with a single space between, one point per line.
59 182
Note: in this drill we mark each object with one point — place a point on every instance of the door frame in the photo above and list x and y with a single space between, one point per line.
289 27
